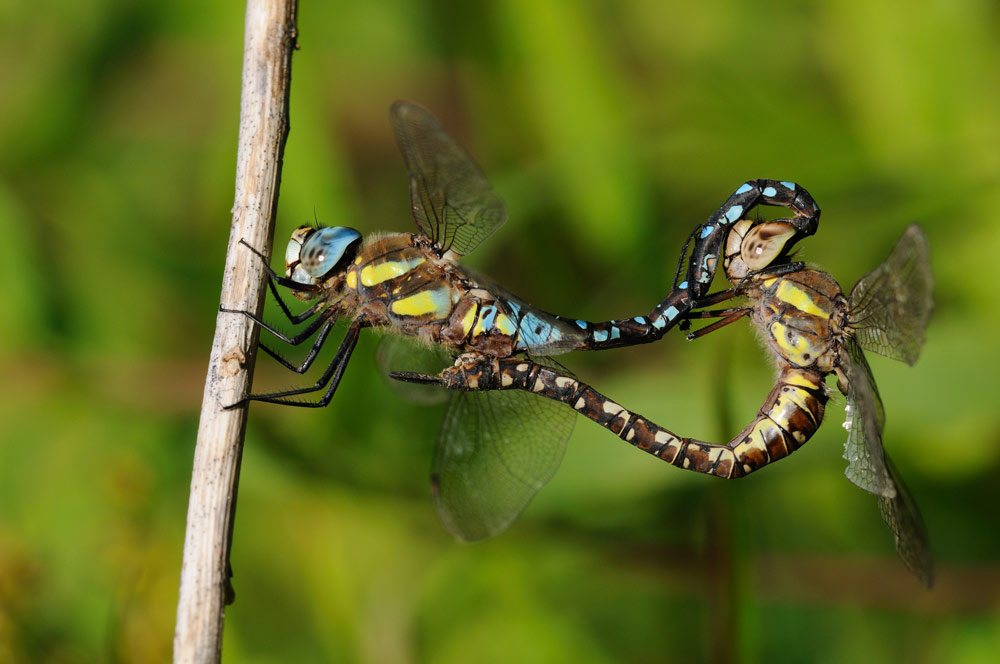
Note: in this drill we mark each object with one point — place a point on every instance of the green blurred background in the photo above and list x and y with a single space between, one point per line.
610 129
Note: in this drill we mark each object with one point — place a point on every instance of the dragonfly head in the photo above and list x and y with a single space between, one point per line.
754 245
315 255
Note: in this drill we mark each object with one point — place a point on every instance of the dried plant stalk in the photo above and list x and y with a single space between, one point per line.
204 588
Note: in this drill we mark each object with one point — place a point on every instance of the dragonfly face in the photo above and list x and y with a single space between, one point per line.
316 255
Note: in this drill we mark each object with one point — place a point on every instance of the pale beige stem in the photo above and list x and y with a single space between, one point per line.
267 57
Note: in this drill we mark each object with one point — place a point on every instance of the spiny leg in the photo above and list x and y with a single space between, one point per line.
306 332
295 319
334 372
310 356
726 316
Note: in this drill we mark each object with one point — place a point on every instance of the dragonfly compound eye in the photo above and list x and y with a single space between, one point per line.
326 249
765 242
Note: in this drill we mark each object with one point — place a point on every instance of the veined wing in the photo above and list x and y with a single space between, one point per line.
452 202
870 468
866 466
903 519
890 306
494 452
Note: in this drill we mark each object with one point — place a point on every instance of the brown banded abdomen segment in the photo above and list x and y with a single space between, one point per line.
630 427
789 417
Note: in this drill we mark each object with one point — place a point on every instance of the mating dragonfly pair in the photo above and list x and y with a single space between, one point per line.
504 431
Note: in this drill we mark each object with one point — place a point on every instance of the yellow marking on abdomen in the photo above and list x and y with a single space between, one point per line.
352 279
376 273
425 302
752 441
504 324
798 298
467 320
799 379
797 397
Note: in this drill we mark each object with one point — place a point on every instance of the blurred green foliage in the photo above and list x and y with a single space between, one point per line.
610 128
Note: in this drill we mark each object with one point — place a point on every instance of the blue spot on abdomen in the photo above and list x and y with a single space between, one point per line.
537 332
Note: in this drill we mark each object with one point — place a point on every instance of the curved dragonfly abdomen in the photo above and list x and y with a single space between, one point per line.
813 332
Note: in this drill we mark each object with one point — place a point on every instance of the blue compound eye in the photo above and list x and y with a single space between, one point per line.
324 249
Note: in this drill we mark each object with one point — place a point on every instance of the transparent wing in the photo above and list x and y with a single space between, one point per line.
903 519
870 468
494 452
452 202
890 306
396 353
866 466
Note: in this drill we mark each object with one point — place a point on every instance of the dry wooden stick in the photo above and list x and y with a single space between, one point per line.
204 589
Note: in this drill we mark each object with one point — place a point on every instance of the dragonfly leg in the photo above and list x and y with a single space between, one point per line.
330 378
310 356
769 271
714 298
293 318
308 331
726 317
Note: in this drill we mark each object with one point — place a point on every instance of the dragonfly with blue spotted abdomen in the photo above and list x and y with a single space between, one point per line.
412 284
812 331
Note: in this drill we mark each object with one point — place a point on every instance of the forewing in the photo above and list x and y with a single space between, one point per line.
903 519
452 202
891 305
866 464
396 353
494 452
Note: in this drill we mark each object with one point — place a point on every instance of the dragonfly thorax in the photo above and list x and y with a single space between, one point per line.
313 255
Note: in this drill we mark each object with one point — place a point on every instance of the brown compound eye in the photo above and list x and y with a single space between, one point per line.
765 242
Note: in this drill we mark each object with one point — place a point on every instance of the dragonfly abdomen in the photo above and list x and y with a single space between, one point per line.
791 414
